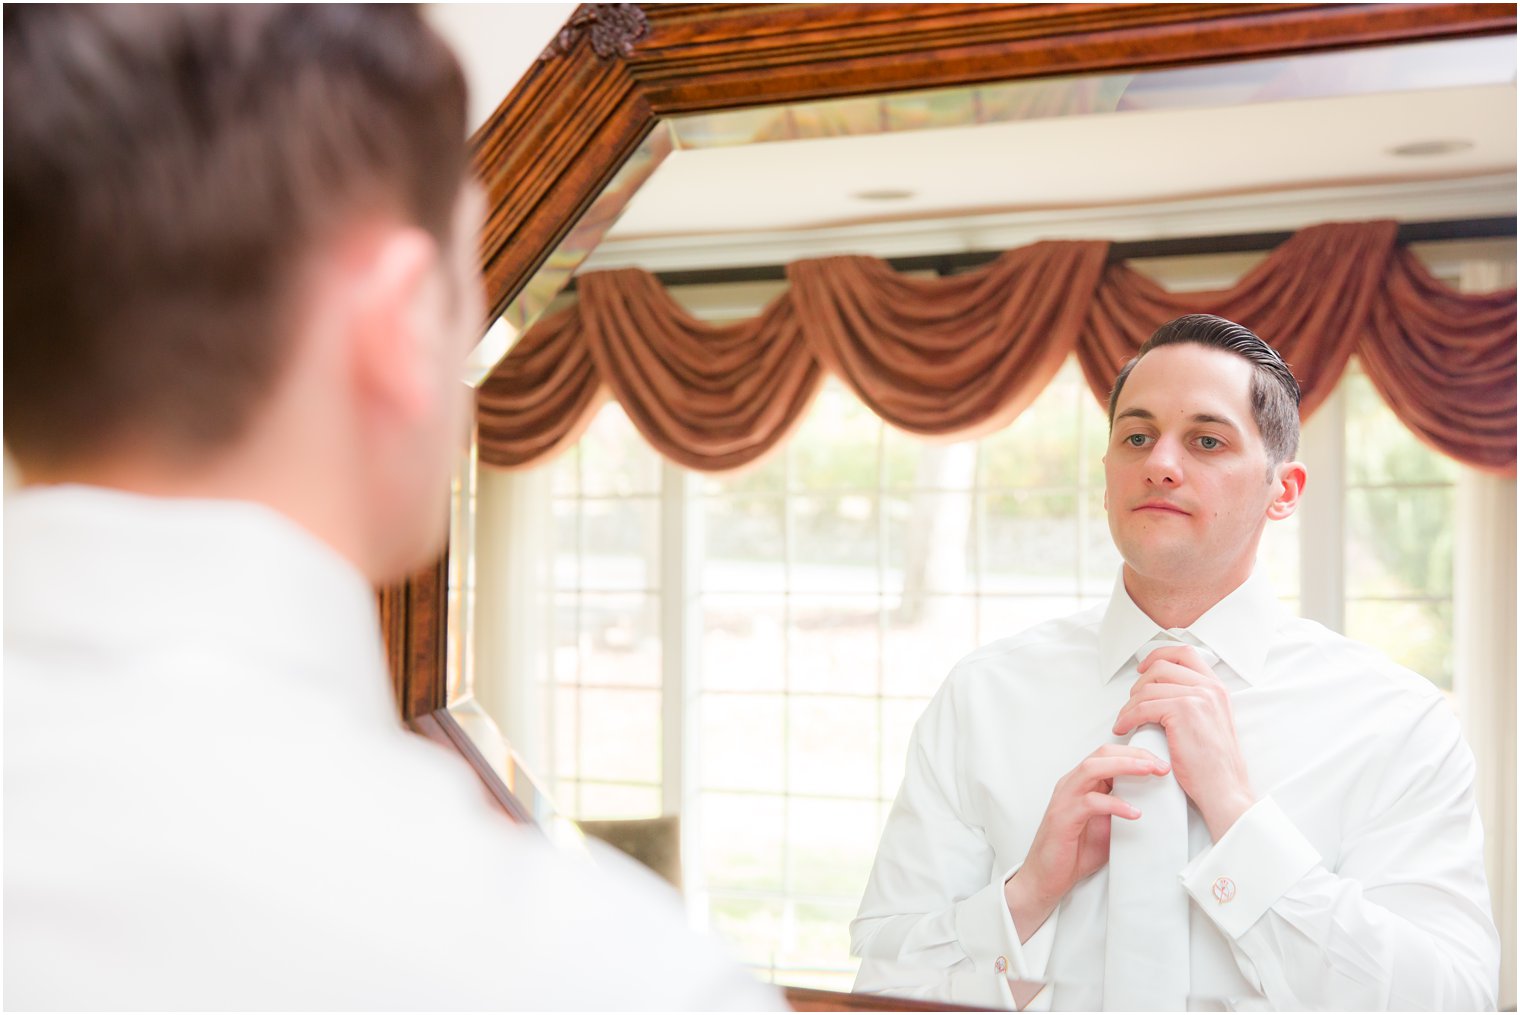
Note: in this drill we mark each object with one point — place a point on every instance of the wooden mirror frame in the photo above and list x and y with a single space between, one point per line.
616 69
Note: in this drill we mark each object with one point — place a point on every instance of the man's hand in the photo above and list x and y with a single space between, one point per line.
1072 840
1182 695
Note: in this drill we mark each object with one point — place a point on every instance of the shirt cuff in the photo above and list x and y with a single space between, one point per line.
986 932
1252 865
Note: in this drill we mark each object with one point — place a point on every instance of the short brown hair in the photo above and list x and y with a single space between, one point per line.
166 170
1274 390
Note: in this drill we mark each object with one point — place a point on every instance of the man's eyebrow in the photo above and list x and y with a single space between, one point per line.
1136 412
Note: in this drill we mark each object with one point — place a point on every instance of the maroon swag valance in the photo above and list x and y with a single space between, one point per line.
960 356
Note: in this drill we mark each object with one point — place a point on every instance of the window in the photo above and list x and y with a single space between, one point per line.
834 585
1399 536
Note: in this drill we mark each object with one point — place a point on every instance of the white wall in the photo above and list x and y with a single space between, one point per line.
497 44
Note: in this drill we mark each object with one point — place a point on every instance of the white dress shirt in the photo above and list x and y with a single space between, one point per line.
1356 882
210 802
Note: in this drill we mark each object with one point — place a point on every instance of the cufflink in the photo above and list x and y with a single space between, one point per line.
1001 965
1224 890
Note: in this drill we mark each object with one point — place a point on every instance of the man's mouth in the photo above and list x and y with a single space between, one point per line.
1163 506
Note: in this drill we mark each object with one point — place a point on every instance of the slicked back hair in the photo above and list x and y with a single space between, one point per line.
167 171
1275 393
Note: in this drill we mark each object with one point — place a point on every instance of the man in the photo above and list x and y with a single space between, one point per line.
240 285
1332 855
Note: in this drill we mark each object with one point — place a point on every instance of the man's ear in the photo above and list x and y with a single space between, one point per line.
396 308
1288 481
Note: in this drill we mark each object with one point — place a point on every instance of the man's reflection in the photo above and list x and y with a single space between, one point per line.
1329 851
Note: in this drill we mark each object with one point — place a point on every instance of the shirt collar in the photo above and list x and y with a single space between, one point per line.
116 572
1239 629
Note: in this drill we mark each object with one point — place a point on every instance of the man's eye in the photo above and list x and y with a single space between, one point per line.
1135 440
1208 443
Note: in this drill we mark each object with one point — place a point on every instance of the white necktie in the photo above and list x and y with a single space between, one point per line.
1146 960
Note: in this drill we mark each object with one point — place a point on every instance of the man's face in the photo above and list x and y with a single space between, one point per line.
1187 473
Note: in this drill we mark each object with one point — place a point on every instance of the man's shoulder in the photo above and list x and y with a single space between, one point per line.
1349 670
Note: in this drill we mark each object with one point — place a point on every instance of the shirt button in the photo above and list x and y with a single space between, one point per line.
1001 965
1224 890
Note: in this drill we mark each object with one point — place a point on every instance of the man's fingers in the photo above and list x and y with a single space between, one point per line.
1103 770
1158 691
1138 713
1184 655
1171 672
1095 804
1121 750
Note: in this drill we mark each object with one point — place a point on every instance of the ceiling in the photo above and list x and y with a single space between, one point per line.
1079 162
1231 147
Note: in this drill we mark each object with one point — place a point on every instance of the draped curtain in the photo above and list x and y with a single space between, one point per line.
960 356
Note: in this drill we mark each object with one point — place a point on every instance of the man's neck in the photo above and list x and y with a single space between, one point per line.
238 476
1174 605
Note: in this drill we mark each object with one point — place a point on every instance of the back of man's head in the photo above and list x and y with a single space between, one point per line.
1274 390
167 169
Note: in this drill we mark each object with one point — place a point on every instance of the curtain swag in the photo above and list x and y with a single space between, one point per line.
960 356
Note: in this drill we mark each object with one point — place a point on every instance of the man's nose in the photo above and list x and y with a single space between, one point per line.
1163 466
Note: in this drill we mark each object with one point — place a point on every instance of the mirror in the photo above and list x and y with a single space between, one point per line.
750 650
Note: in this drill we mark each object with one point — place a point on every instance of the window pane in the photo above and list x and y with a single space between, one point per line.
834 546
834 644
1100 558
1412 634
767 475
1399 542
741 841
743 740
1379 448
1002 616
620 640
566 625
600 801
745 544
743 643
751 928
832 745
1040 447
620 735
567 740
615 458
923 640
1092 421
929 543
817 952
567 550
836 447
565 474
1277 557
833 843
897 721
620 543
1029 542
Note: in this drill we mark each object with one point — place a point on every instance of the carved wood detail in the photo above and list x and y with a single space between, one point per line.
613 30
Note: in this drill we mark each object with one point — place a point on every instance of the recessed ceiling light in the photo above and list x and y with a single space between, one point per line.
883 194
1416 149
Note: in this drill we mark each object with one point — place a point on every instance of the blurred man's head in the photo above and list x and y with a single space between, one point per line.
229 225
